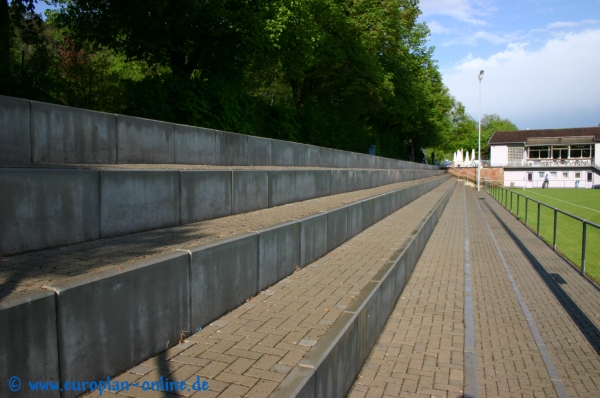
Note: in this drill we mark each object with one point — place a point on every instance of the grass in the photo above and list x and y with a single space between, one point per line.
583 203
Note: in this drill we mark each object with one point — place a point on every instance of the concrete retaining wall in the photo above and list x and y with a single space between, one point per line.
15 131
67 135
223 275
35 132
278 253
50 207
132 201
45 208
144 141
108 321
28 347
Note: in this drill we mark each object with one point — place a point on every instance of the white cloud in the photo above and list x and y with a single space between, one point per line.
481 35
468 11
554 86
437 28
571 24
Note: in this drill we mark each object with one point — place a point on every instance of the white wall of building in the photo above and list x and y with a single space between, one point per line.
558 178
597 153
499 155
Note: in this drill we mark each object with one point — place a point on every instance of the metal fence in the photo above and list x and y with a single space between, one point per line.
506 198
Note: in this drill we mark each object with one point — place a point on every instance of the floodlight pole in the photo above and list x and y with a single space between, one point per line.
479 140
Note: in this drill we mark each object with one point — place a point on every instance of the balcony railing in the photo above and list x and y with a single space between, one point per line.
549 163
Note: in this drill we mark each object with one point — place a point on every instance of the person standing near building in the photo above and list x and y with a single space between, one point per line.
410 150
546 181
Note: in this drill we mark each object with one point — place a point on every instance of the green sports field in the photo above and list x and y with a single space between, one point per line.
583 203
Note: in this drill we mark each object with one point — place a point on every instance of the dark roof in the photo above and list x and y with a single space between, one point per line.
520 136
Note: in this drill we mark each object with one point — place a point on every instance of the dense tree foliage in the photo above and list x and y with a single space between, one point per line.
464 133
343 74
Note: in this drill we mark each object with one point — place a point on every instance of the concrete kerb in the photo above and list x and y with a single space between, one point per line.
250 191
278 253
281 187
110 320
231 149
299 383
224 273
45 208
309 184
144 141
194 145
334 358
132 201
365 317
337 227
313 238
29 347
355 219
306 186
205 194
15 130
325 157
300 155
282 153
62 134
313 156
368 212
259 151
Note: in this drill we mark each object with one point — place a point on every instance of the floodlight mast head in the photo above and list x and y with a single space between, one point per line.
480 75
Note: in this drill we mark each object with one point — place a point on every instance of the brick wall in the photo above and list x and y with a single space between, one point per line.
489 173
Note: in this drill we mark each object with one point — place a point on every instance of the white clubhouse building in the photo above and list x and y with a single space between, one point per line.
570 157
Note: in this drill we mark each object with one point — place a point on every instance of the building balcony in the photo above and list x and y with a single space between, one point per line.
537 163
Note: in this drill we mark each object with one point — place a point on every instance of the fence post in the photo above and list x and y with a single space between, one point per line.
583 244
518 204
526 209
539 218
555 225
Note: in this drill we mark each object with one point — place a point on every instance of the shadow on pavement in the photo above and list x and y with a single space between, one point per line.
554 282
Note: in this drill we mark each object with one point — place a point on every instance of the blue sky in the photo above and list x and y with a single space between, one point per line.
541 58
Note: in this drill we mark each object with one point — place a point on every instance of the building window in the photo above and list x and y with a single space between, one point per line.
577 175
515 155
539 152
580 151
590 177
553 174
565 175
529 176
560 152
541 174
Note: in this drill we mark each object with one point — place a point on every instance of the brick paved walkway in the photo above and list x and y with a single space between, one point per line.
420 352
23 272
250 350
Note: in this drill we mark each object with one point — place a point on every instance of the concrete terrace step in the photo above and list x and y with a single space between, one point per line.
27 271
36 132
308 334
166 281
54 205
